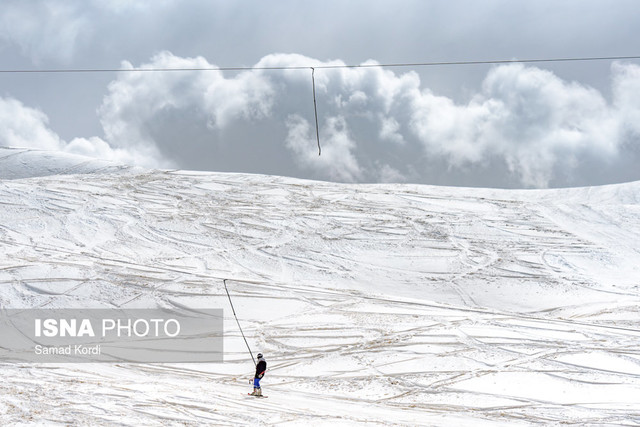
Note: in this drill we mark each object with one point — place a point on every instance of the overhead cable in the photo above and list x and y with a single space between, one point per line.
316 66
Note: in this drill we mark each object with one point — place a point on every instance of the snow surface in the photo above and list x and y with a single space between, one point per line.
373 304
16 163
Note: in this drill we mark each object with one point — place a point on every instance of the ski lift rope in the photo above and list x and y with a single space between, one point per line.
224 281
319 66
315 108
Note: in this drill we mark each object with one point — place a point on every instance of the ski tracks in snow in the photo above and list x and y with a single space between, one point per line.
374 304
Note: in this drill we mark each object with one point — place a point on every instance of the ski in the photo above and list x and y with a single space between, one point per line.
253 395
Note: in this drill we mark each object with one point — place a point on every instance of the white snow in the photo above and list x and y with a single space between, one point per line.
373 304
16 163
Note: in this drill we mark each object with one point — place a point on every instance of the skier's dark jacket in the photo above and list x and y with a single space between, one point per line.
261 367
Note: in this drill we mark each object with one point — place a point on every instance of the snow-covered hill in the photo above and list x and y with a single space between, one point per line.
373 304
17 163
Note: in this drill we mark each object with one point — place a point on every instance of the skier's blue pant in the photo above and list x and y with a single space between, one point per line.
256 382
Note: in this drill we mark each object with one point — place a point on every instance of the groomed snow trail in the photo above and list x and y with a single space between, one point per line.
374 304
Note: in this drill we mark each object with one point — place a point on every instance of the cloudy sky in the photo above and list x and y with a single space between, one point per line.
511 125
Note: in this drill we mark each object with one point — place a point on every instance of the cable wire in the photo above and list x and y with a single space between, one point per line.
315 109
319 66
238 322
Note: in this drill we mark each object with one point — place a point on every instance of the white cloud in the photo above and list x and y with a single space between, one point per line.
388 174
524 123
55 29
136 99
528 117
536 124
390 130
337 161
44 29
26 127
21 126
375 125
98 148
626 87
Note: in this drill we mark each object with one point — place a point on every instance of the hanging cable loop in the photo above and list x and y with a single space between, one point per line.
315 108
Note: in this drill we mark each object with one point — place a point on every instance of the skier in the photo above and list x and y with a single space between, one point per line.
261 368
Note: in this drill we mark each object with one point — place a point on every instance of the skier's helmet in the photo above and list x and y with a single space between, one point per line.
259 355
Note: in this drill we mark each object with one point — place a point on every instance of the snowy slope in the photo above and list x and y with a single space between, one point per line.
374 304
16 163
